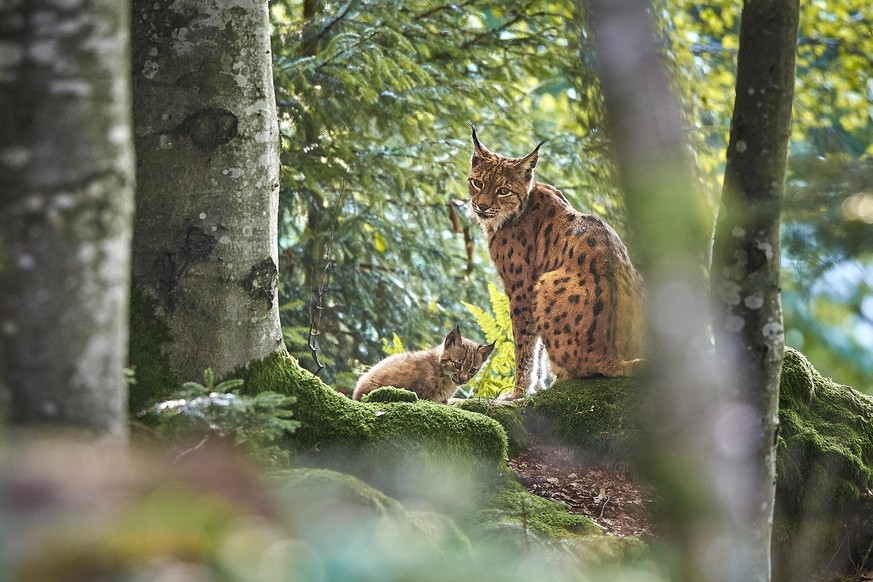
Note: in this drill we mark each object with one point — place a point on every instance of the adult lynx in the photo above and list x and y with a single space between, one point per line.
568 275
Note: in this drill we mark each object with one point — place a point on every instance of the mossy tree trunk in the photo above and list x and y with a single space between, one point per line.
703 448
747 311
66 201
205 237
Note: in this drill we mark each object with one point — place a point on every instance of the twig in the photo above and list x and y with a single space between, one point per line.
199 445
866 557
603 507
844 540
316 305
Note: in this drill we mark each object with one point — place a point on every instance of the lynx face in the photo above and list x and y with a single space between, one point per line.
499 186
462 358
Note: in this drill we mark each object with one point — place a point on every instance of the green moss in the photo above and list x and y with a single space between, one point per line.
508 414
515 514
824 450
442 457
824 464
390 394
404 448
595 416
154 376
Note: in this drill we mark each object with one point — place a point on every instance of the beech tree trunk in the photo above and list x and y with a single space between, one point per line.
205 237
747 310
710 430
66 201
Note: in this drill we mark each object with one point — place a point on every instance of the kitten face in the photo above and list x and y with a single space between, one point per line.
498 185
462 358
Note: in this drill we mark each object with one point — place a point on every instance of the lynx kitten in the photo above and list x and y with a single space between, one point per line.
568 276
433 374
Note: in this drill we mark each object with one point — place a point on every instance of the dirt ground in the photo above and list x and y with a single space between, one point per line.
608 496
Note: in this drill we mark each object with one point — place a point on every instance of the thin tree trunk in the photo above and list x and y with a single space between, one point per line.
205 238
747 310
66 200
704 446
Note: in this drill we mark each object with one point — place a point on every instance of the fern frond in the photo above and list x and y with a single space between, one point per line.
486 322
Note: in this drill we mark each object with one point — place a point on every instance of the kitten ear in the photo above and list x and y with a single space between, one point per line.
529 162
479 151
454 337
486 350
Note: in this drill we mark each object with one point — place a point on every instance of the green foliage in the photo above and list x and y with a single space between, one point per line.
200 412
829 266
373 100
830 161
498 375
395 346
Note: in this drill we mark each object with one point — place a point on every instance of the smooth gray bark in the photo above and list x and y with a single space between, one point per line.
705 445
205 237
66 199
747 310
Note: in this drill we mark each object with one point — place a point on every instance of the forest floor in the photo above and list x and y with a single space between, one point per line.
609 496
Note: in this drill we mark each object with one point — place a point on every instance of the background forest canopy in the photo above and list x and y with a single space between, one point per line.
374 98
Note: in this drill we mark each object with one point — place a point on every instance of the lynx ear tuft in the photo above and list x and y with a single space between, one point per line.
486 350
529 162
454 337
479 151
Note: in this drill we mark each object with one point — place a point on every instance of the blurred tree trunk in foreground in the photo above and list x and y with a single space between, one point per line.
205 237
66 197
710 451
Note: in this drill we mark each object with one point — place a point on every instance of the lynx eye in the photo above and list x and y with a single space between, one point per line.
476 184
457 365
504 191
473 371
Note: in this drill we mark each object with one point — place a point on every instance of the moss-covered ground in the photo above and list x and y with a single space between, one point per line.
442 457
451 459
824 454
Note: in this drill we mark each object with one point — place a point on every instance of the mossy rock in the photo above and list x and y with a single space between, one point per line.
824 466
594 416
399 447
390 394
824 454
508 414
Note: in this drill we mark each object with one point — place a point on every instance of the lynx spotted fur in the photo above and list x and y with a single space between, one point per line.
433 374
568 276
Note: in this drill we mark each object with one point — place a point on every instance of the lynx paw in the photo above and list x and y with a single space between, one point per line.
515 395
